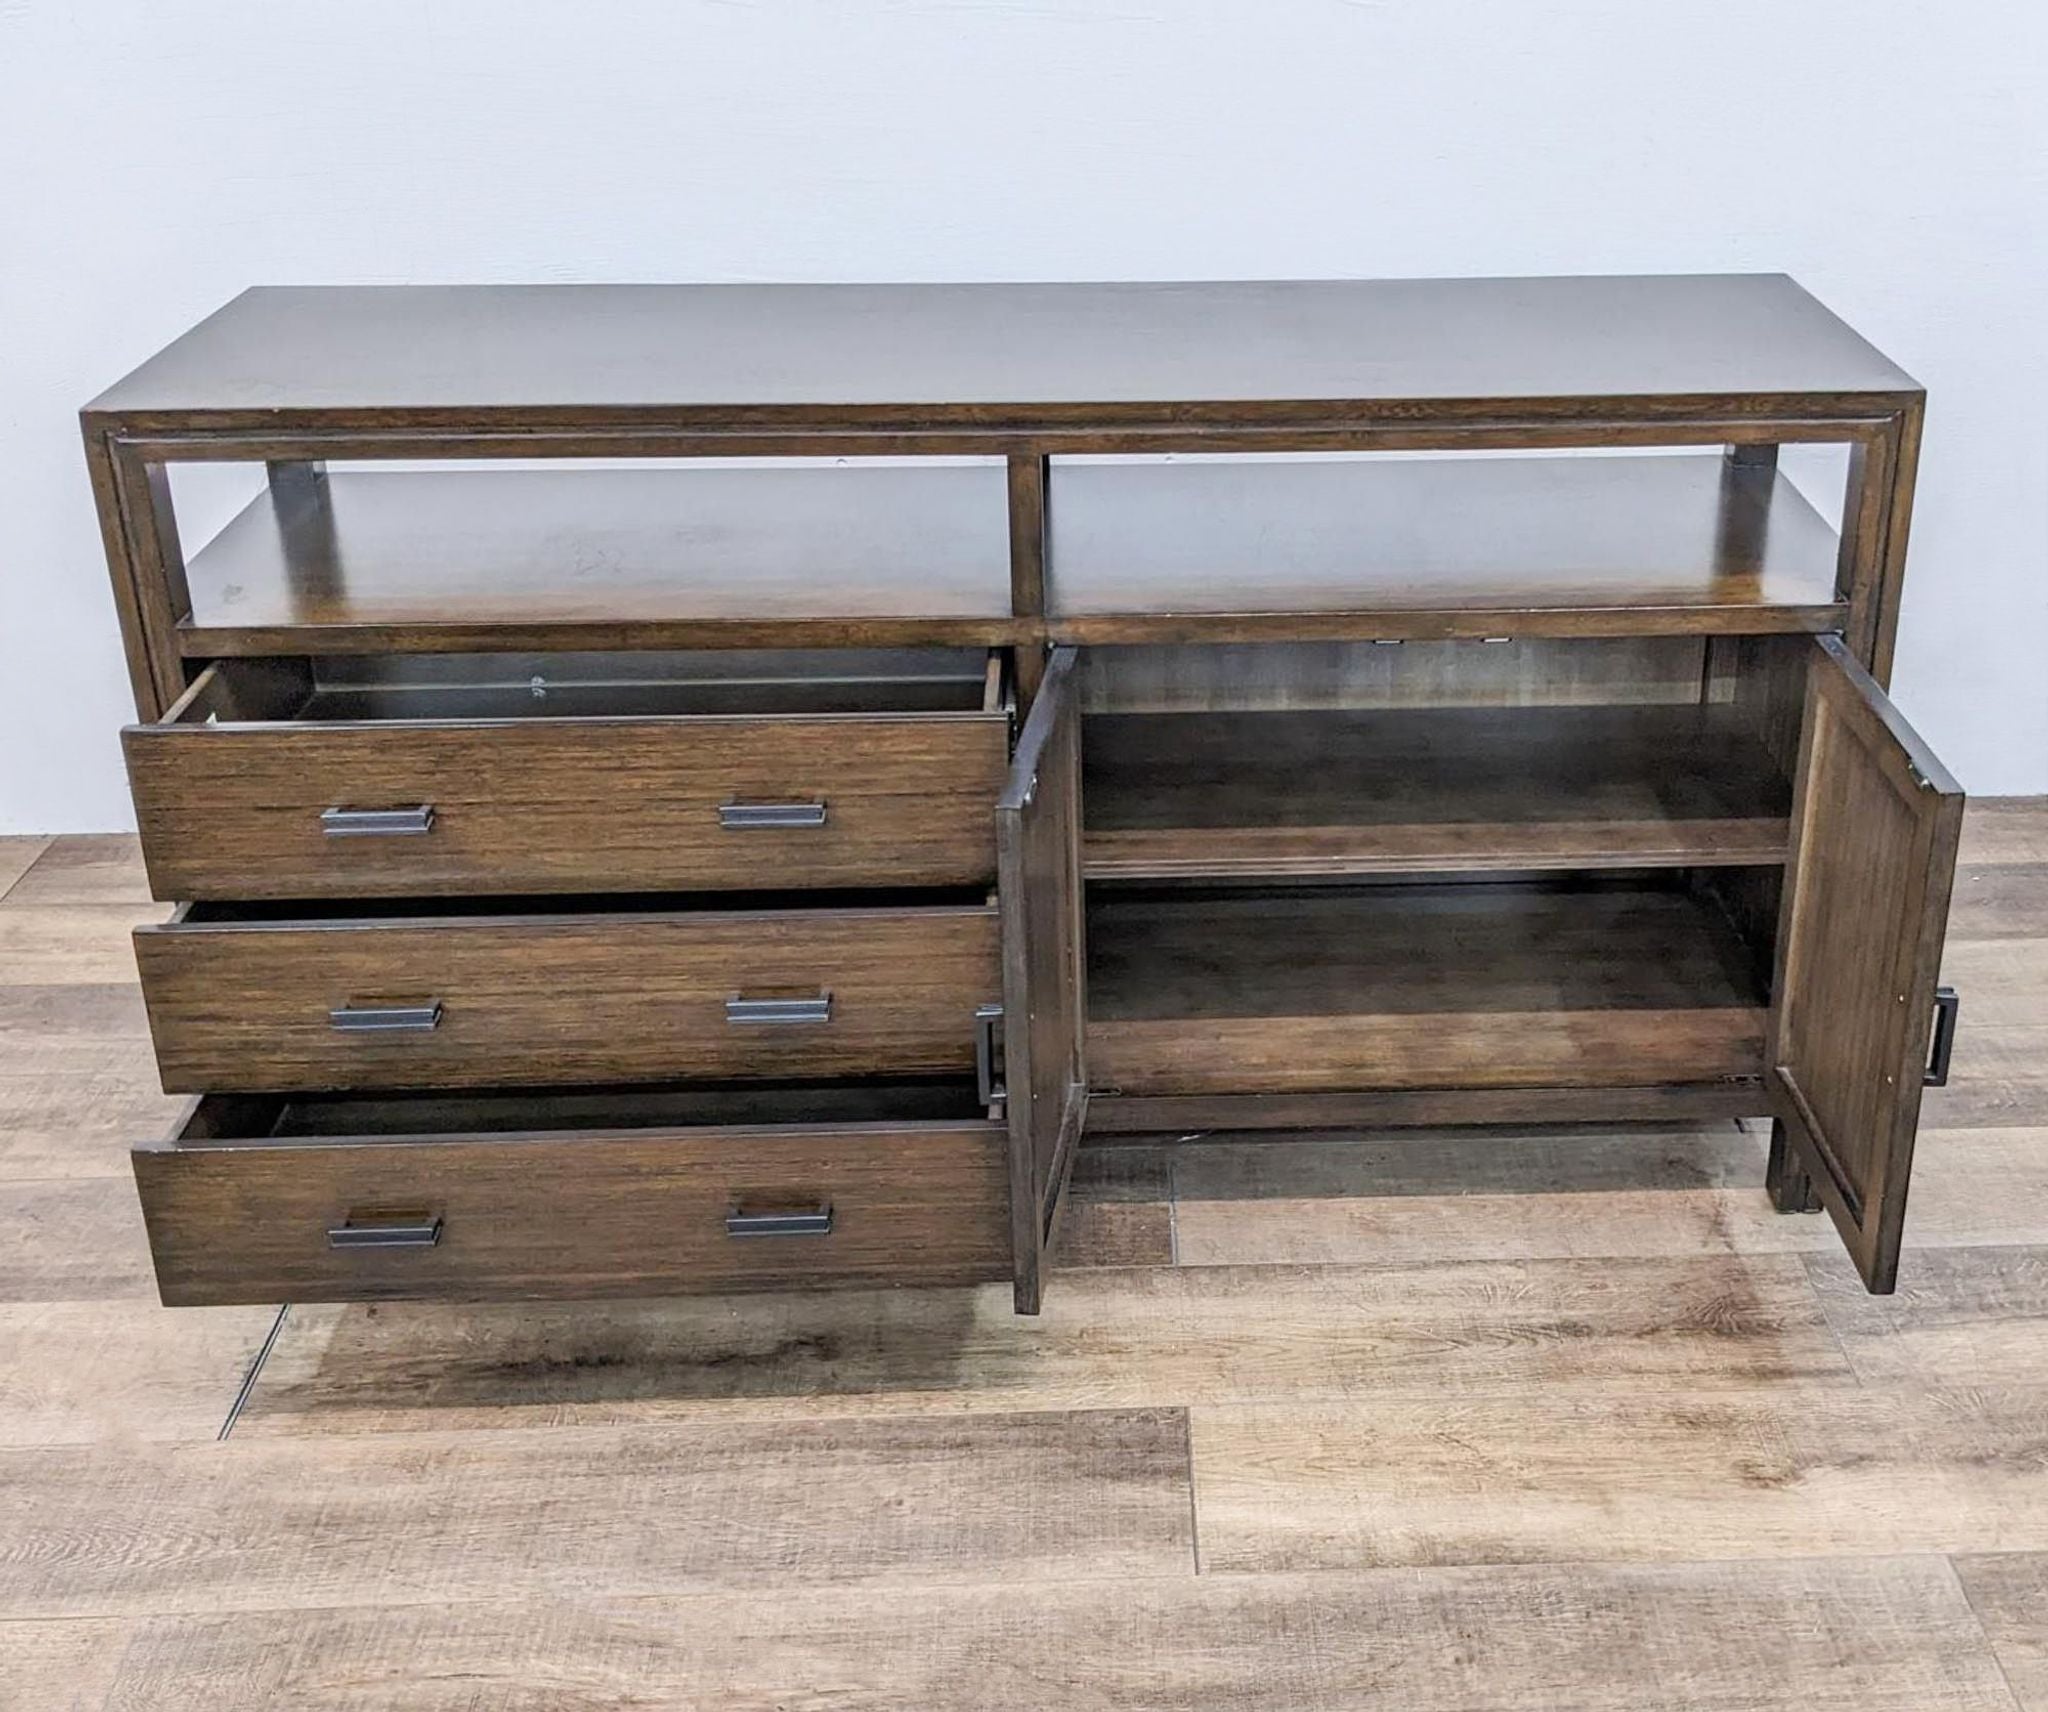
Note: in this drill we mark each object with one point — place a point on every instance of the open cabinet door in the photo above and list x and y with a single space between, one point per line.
1038 865
1874 824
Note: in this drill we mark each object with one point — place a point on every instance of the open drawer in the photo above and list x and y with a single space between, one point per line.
650 1192
470 993
300 778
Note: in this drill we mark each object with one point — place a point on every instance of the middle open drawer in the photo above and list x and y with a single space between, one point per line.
251 997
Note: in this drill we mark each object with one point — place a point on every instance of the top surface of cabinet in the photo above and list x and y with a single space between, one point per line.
990 354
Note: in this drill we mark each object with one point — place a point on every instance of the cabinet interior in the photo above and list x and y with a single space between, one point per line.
1457 864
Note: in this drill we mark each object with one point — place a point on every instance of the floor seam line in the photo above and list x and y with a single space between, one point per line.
1172 1207
1977 1617
249 1379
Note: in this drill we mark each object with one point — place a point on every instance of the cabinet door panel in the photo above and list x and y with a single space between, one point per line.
1874 828
1038 853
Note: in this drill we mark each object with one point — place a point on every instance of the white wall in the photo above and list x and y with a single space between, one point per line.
158 155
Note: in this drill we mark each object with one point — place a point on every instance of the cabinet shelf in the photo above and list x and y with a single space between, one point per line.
1236 794
1484 985
1245 549
431 560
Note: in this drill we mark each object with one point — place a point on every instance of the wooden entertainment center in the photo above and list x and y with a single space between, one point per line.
711 788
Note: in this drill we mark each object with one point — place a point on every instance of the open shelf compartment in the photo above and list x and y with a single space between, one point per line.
1415 790
595 557
1632 980
1412 547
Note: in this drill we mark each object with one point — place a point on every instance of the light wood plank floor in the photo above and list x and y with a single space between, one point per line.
1426 1422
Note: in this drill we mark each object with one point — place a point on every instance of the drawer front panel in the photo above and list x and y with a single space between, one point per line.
472 1001
648 1213
283 811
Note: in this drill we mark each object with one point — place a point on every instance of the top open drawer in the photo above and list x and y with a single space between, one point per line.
296 778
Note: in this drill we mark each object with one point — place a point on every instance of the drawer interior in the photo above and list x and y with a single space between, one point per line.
469 687
570 906
225 1120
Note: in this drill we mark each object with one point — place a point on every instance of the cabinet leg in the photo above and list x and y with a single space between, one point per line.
1791 1188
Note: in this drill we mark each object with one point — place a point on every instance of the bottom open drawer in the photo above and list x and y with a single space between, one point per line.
606 1193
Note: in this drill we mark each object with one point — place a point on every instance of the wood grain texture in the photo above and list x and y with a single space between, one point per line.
1999 902
1961 1317
566 997
78 1122
1890 1635
85 868
1234 794
1493 1193
2005 830
17 856
74 1026
2000 1079
590 1213
1433 547
2007 1595
1482 1226
820 353
72 1239
114 1372
1118 1210
1138 1337
2010 974
1480 1195
71 944
266 1527
1950 1170
1875 823
1492 1479
62 1666
1414 987
551 558
548 805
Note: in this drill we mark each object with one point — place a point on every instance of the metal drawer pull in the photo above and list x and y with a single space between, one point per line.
740 817
739 1010
1948 1006
399 1230
386 1019
818 1223
377 822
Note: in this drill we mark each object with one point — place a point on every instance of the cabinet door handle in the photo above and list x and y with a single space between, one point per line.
741 1010
392 1230
377 822
385 1019
819 1223
742 817
988 1054
1948 1007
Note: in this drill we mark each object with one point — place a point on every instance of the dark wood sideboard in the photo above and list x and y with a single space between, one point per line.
704 788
